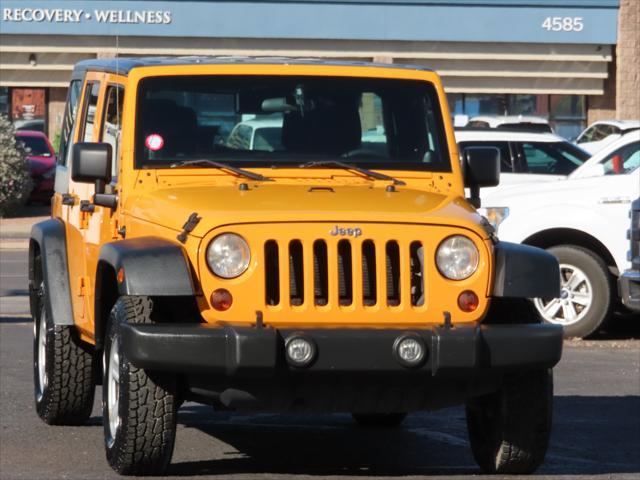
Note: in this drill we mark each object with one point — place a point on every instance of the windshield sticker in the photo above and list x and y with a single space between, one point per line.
154 142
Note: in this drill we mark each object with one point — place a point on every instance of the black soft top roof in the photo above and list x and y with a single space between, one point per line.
124 65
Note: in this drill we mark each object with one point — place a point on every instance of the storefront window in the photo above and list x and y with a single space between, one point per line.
4 101
568 114
28 108
456 103
536 105
475 104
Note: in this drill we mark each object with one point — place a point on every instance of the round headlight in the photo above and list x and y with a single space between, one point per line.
228 255
457 258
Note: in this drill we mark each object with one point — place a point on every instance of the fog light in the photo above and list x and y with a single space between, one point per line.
221 299
300 351
410 350
468 301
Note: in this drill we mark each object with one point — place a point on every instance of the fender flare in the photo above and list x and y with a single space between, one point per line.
50 237
522 271
148 266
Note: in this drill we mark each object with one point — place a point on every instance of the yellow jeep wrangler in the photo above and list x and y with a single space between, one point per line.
281 235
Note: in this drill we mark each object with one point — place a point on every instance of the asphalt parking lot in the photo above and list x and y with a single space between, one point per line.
596 432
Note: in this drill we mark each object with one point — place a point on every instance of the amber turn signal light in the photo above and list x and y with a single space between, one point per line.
221 299
468 301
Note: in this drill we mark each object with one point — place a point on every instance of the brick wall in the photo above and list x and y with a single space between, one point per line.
628 61
603 107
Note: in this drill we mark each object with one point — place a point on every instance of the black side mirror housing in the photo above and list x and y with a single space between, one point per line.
481 167
91 162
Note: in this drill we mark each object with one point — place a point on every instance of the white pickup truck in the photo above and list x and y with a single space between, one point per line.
582 220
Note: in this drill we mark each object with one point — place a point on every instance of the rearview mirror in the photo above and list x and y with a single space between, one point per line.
91 163
481 169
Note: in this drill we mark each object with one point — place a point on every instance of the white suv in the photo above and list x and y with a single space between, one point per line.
599 134
583 221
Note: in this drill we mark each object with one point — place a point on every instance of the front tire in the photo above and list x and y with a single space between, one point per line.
509 429
139 407
586 292
64 381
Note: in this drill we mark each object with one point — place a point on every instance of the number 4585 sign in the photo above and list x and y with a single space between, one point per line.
563 24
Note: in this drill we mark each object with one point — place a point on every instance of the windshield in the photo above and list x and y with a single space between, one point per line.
268 121
36 146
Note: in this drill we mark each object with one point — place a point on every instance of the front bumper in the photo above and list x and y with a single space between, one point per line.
629 287
229 352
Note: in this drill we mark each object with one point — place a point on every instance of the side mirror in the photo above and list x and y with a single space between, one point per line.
91 163
481 166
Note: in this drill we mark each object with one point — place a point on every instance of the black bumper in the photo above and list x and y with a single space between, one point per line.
245 352
629 287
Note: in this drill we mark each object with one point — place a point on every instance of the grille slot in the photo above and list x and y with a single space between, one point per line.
320 273
345 273
369 284
393 273
417 274
296 273
271 273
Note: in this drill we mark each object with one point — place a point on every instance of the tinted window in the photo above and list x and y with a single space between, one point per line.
112 125
601 132
587 136
90 104
506 162
68 121
623 160
557 158
36 146
384 123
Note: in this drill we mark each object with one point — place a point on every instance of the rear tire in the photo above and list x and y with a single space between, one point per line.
587 296
509 429
64 381
379 420
139 407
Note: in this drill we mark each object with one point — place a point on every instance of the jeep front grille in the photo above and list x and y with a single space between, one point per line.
344 272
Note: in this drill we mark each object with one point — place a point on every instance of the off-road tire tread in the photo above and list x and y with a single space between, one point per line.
148 435
68 396
519 445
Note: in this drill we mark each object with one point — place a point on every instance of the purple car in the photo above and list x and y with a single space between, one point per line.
42 163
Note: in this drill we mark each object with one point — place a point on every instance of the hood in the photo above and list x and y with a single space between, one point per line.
225 205
579 191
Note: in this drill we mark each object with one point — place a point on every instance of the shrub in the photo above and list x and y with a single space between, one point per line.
15 180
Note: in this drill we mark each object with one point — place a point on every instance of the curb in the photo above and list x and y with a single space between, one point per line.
14 244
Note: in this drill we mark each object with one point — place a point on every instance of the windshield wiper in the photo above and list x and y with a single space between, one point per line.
223 166
355 168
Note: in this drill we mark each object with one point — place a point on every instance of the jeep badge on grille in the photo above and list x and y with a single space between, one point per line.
346 232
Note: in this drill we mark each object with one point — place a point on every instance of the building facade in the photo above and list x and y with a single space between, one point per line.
572 61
